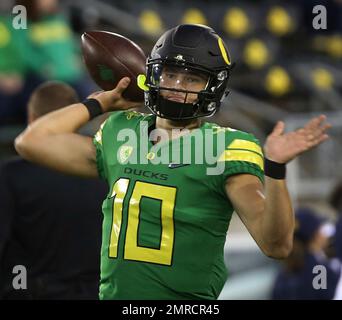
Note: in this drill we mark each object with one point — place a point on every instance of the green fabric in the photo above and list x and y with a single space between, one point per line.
53 53
144 263
46 47
13 46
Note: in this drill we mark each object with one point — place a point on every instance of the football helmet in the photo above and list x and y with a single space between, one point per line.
196 52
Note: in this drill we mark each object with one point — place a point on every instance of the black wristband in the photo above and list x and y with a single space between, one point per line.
275 170
93 106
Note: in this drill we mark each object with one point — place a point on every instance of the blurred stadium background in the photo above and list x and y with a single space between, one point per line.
285 70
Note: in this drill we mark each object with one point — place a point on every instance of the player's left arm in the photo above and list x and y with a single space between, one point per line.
266 210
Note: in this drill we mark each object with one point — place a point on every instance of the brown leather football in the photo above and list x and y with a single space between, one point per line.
109 57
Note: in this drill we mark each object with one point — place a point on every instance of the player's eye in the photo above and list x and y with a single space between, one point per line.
193 79
170 75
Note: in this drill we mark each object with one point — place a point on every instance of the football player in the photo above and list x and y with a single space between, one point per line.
165 224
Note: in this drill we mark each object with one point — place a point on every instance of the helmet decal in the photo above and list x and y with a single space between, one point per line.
223 51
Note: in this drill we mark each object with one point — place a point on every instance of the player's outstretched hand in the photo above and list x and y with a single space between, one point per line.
283 147
113 100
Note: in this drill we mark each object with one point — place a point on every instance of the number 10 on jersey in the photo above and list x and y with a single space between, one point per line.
167 196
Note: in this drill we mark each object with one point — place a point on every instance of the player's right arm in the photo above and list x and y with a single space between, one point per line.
52 140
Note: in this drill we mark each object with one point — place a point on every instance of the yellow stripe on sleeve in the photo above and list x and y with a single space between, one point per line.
242 155
246 145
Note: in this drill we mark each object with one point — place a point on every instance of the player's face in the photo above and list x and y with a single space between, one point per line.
181 79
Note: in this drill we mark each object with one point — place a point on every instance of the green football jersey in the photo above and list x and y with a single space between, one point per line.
167 213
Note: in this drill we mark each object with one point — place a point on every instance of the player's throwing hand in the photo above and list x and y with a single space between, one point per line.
112 100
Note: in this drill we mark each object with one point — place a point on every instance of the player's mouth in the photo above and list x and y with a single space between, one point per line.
175 98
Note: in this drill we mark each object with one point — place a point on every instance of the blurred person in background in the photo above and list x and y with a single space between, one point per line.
17 81
338 248
295 280
54 53
49 222
336 202
46 50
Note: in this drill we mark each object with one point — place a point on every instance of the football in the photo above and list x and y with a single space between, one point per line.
109 57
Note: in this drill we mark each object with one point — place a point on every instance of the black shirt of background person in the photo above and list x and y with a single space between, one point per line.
51 224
